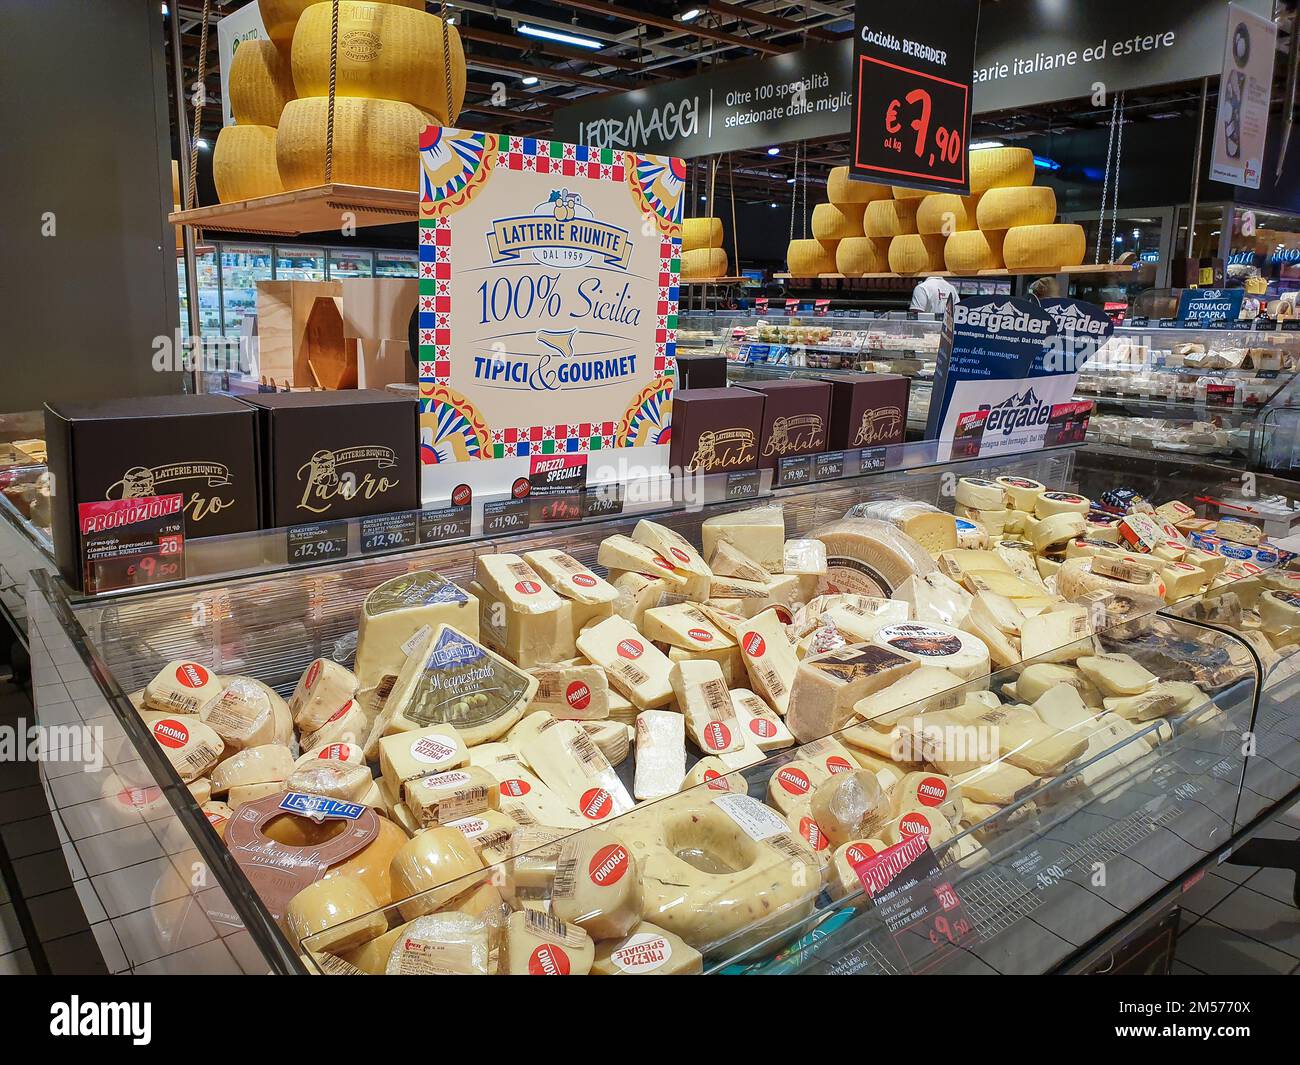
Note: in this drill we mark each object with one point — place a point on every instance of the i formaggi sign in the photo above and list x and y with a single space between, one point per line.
548 301
1006 374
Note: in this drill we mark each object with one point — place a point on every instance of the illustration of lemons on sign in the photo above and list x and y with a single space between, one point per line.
563 206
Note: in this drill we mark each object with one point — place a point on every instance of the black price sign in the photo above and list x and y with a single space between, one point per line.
743 484
912 94
319 542
388 532
871 460
445 523
828 466
505 516
794 469
602 501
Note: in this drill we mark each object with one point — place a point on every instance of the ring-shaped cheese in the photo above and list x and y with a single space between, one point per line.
758 890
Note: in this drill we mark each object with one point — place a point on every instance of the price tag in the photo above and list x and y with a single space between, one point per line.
871 459
1168 323
556 484
828 466
388 532
1138 321
602 501
446 523
1291 325
1220 395
743 484
794 469
505 516
128 543
318 542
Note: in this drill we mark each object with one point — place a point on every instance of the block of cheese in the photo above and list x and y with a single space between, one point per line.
712 773
332 778
564 757
959 563
578 692
1174 512
684 625
933 529
1058 635
758 533
671 545
1182 579
347 725
705 703
441 944
1038 678
1062 707
827 687
660 754
769 658
730 561
849 806
620 552
569 577
928 791
935 688
999 783
597 884
634 666
181 687
511 580
1077 577
759 724
528 639
647 950
396 611
1024 741
971 534
843 879
728 659
419 752
935 599
996 621
323 687
527 800
1239 532
637 593
1278 608
791 787
537 944
246 793
858 622
253 765
1057 529
431 868
439 798
612 737
1117 674
934 827
241 713
937 645
870 557
326 904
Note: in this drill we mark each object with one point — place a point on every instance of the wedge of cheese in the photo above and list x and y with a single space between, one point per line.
632 663
570 578
769 658
828 686
705 703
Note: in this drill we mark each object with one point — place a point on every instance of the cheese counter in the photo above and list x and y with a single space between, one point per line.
974 717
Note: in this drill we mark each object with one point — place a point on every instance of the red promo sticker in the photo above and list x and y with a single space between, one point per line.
716 736
931 791
837 764
631 648
762 727
527 587
584 580
340 711
754 644
171 733
812 832
716 781
596 803
335 750
700 635
915 824
313 672
859 852
662 562
578 695
192 675
139 796
679 553
608 865
515 788
795 781
548 960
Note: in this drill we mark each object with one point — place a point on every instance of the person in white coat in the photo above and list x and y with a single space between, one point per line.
932 294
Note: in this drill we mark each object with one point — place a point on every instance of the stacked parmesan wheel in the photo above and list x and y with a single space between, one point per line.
390 82
703 255
838 243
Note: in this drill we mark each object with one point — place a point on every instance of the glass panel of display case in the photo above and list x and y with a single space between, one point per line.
1265 248
396 264
209 295
242 267
348 263
299 264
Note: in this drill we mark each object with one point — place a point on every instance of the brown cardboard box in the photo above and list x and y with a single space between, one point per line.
795 417
867 410
716 429
283 308
381 363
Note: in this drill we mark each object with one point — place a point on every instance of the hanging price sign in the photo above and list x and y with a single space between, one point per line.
912 95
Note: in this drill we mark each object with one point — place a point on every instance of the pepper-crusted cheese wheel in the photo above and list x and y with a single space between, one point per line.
340 900
260 83
385 52
245 163
1000 168
890 218
808 258
375 143
701 233
972 251
1044 247
912 253
844 877
431 866
1008 208
862 255
841 189
946 213
833 222
704 263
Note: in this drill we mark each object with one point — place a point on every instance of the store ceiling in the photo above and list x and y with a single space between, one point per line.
644 41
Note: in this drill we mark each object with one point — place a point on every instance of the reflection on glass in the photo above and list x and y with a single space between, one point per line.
396 264
209 295
299 264
242 266
350 263
1264 252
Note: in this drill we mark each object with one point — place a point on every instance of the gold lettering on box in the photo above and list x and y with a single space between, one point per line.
143 482
720 448
797 433
884 423
326 481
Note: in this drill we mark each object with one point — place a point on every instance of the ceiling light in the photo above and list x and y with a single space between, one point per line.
556 35
789 181
985 144
530 80
774 151
690 14
202 144
164 10
774 205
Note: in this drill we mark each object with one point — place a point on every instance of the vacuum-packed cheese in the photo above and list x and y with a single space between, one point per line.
647 951
578 692
537 944
562 754
828 686
660 754
400 608
632 663
323 687
181 687
570 578
769 658
705 703
511 580
597 884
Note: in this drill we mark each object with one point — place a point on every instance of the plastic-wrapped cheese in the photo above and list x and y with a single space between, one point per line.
1048 503
869 557
1076 579
409 755
849 806
929 686
597 885
959 652
441 944
647 951
181 687
253 765
338 900
431 868
769 658
660 754
570 578
828 686
537 944
1117 674
1057 529
190 745
323 688
980 494
705 703
632 663
758 532
1021 492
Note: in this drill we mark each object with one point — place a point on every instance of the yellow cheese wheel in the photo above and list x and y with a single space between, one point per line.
840 188
889 218
946 213
701 233
1008 208
704 263
385 53
1044 247
1000 168
279 17
376 143
244 163
966 253
900 193
260 83
862 255
911 253
808 258
833 222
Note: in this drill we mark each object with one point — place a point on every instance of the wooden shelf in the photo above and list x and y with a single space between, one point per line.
314 210
1101 268
712 280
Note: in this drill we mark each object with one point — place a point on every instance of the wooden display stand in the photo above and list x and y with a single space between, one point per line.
283 311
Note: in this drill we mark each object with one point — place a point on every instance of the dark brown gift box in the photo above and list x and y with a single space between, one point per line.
343 454
202 447
867 410
716 429
701 371
795 414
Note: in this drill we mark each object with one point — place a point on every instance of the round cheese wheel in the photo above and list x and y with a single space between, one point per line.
376 143
849 806
973 250
945 213
1050 503
808 258
1045 248
703 263
995 521
980 494
1278 609
912 253
343 752
1008 208
260 83
261 764
244 163
1022 492
842 189
701 233
999 168
833 222
890 218
1056 530
327 903
901 193
280 17
429 869
1075 578
856 256
958 652
869 557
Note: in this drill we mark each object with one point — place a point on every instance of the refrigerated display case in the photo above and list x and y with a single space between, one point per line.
1163 800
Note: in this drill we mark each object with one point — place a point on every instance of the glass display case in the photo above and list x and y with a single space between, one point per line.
24 513
1033 867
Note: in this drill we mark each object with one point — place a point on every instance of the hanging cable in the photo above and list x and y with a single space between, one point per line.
1119 156
1105 188
191 191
